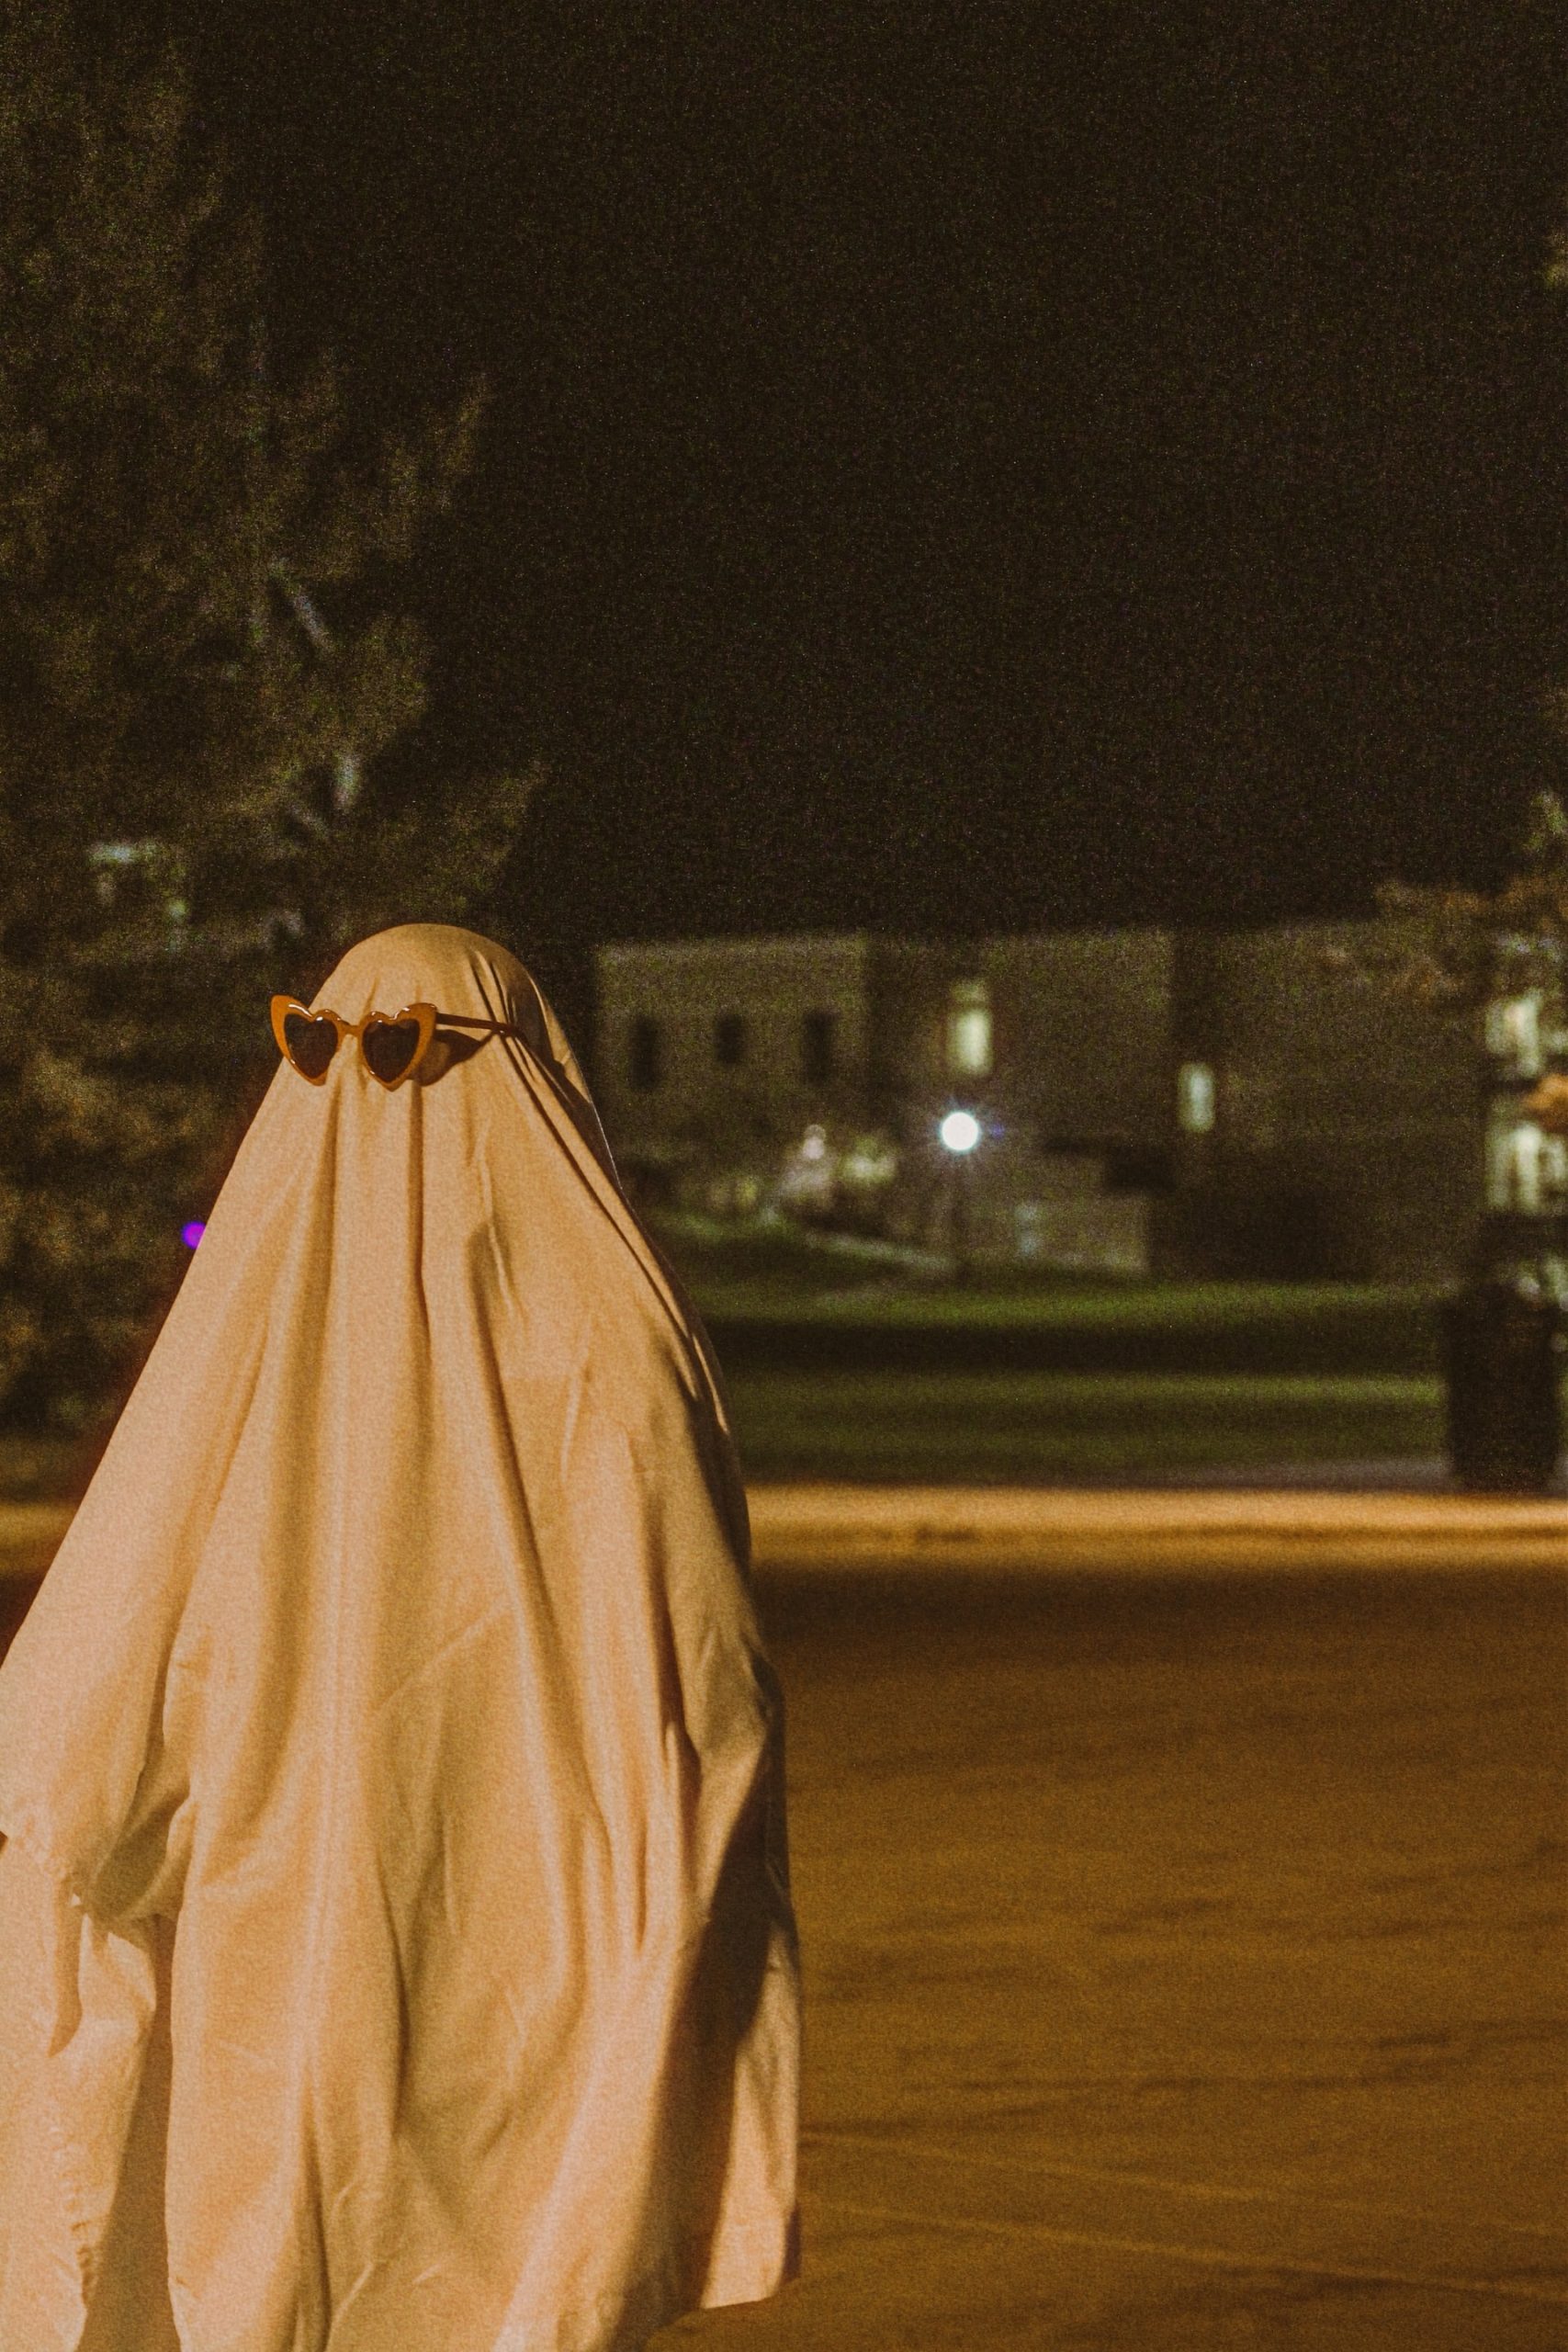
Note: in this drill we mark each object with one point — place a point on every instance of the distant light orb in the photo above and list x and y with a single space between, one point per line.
814 1143
960 1131
191 1234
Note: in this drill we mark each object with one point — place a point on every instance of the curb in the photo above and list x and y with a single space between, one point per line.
1041 1528
1044 1528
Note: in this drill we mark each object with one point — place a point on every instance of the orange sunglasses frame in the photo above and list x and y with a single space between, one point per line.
425 1014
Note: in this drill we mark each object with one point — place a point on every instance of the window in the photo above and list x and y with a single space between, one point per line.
729 1038
1513 1034
817 1047
1195 1098
1527 1170
969 1029
643 1063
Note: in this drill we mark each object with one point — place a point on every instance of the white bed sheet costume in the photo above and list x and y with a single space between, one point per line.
396 1943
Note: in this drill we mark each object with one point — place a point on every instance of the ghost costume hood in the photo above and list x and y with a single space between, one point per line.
395 1926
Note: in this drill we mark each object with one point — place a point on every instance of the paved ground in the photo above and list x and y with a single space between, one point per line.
1185 1960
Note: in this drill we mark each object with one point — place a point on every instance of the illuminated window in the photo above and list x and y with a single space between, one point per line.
1195 1098
969 1029
1513 1034
729 1038
644 1064
817 1047
1527 1170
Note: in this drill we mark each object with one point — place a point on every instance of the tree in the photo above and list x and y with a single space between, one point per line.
188 810
1460 949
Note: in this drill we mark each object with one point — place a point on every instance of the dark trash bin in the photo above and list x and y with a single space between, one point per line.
1503 1352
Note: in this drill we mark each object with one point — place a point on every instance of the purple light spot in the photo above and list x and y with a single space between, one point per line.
191 1234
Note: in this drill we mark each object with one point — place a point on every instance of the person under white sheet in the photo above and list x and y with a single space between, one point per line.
395 1922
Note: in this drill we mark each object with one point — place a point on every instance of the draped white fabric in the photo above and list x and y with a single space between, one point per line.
395 1930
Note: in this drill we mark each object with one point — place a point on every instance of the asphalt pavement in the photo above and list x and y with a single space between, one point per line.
1184 1958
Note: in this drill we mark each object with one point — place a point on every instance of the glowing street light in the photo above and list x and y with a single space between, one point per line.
960 1132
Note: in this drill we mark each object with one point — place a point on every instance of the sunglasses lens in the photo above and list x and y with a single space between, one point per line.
312 1042
390 1049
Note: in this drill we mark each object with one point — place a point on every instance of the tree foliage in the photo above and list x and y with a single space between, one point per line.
199 664
1457 950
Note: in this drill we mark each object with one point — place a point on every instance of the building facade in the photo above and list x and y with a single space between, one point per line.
1144 1099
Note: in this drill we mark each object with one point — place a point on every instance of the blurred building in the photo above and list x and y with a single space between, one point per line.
1160 1100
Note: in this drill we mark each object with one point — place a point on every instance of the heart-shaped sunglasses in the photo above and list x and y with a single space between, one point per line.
392 1045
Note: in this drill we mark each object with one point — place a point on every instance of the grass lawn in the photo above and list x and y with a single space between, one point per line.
844 1363
750 1284
979 1425
1139 1375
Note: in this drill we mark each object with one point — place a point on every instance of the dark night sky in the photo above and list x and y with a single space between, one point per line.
968 468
